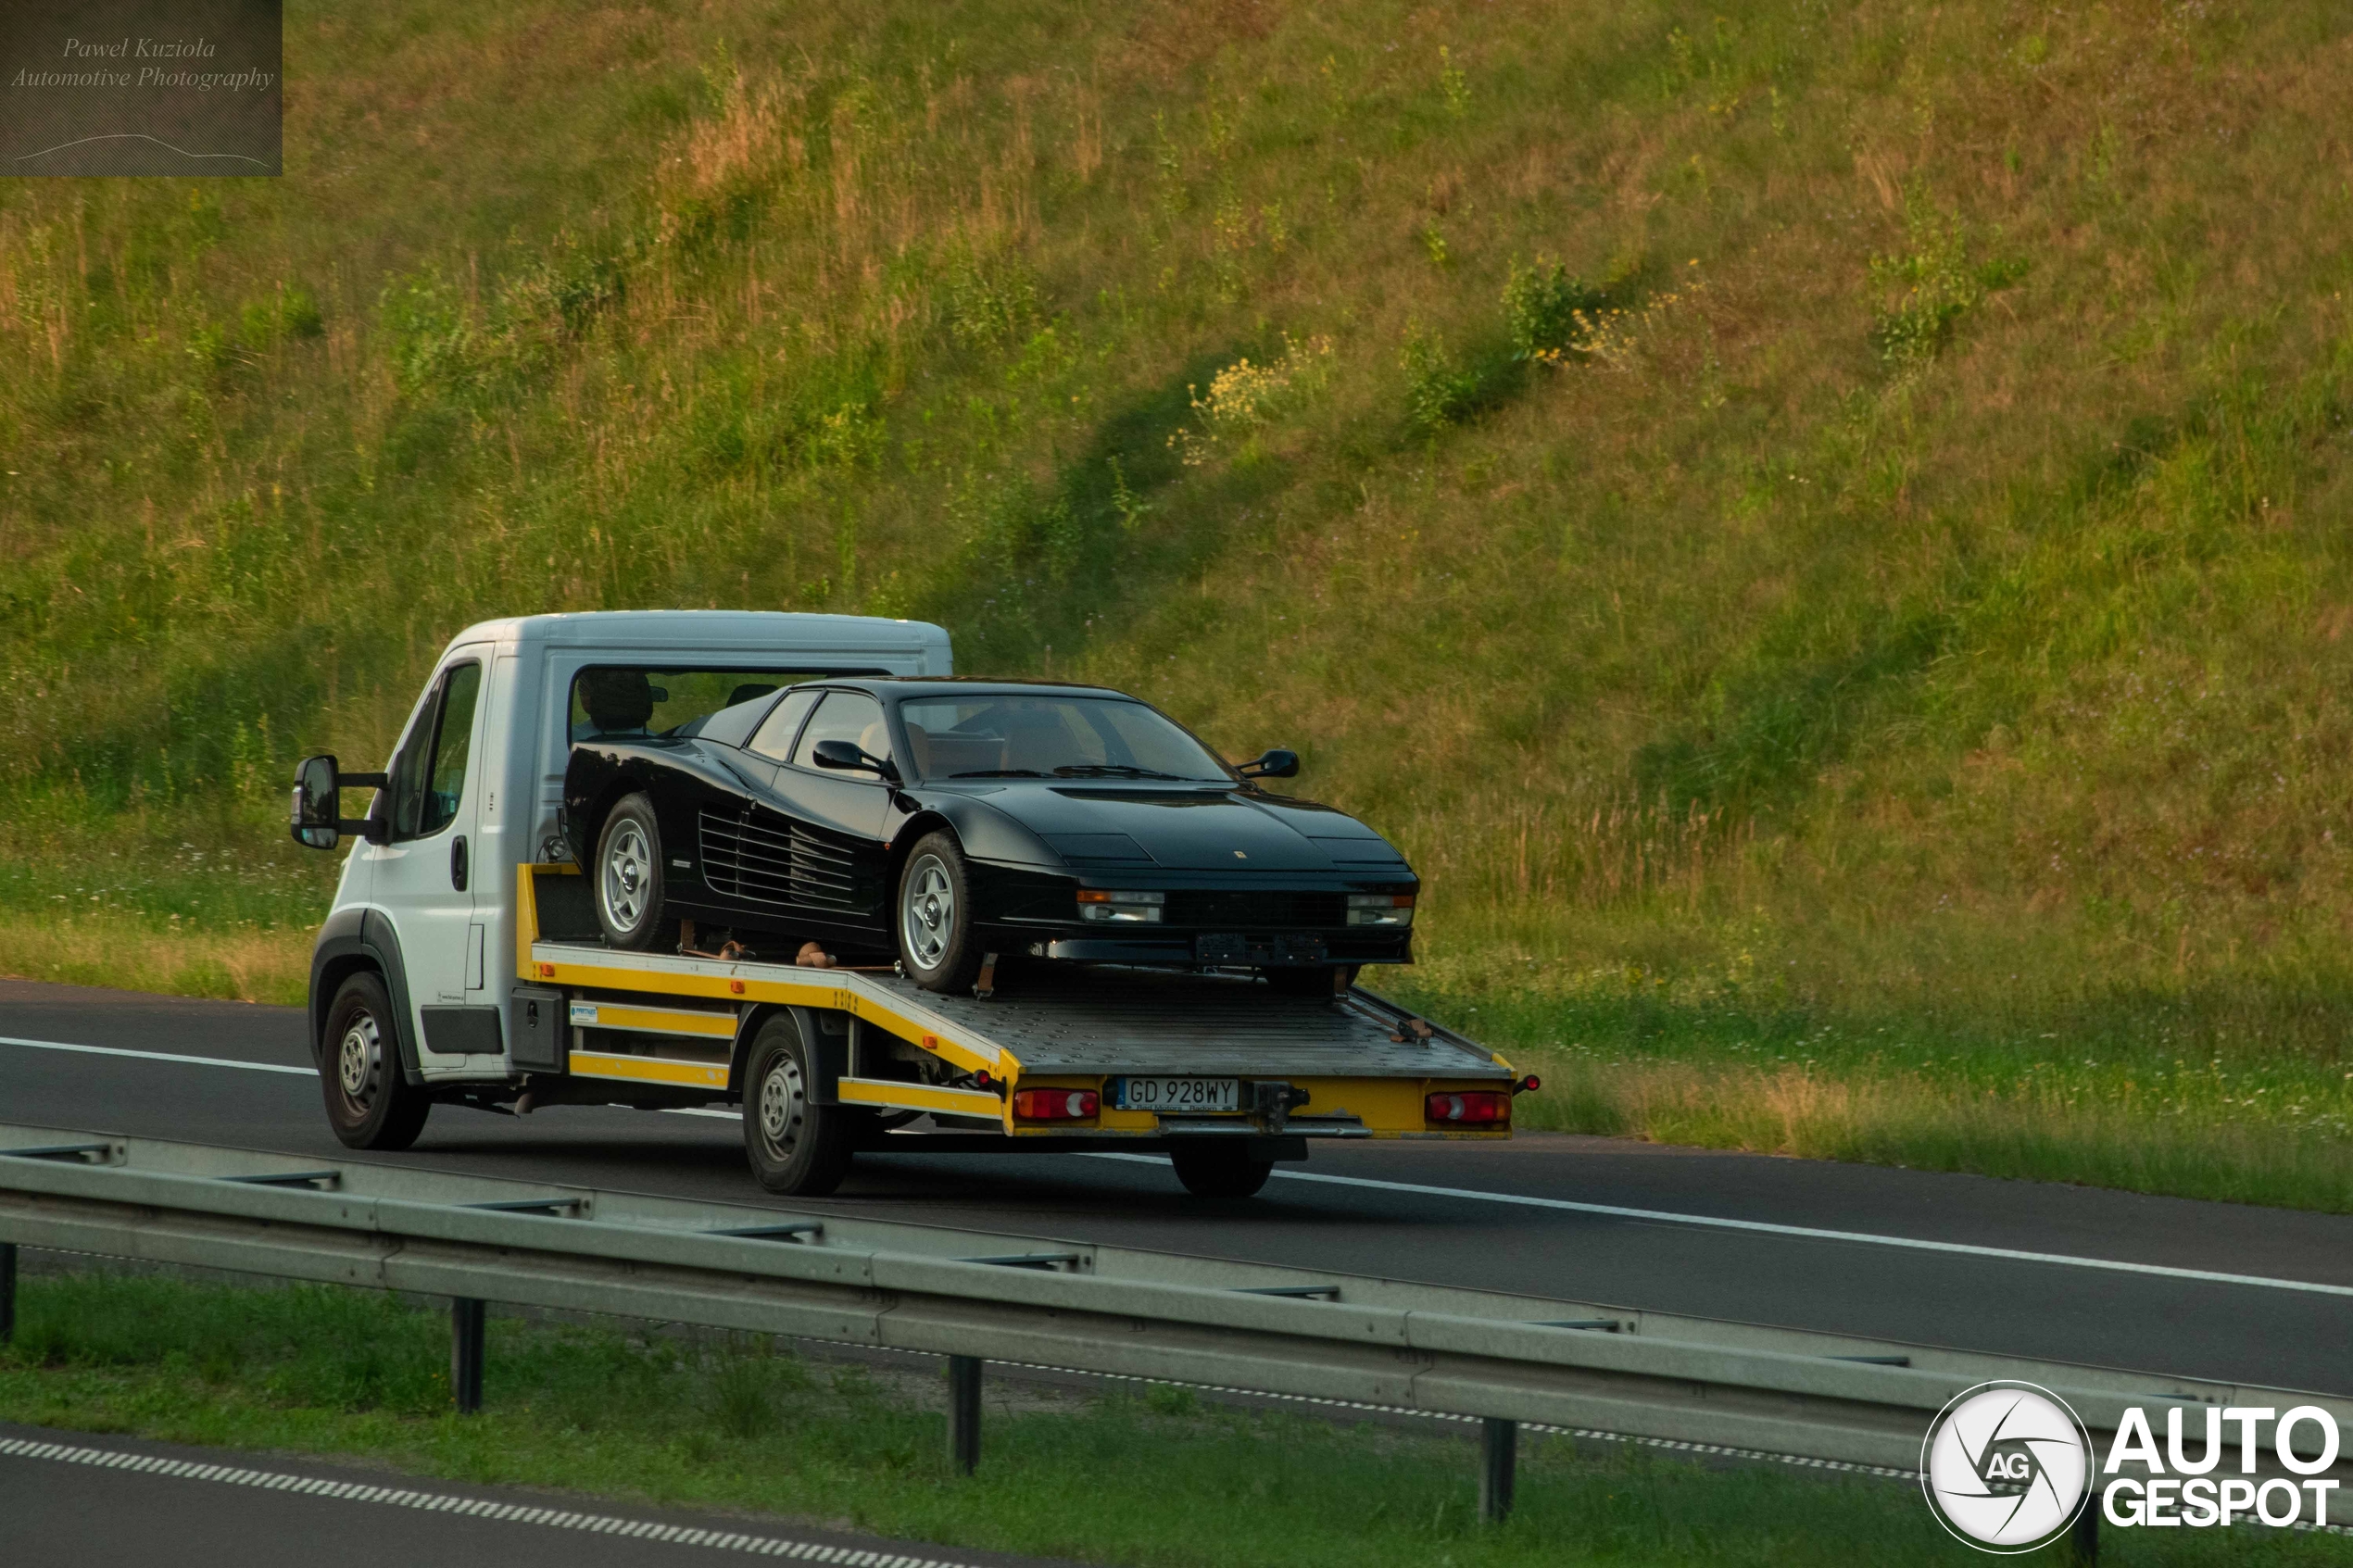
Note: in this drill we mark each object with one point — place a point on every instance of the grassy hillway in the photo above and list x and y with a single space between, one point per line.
1817 525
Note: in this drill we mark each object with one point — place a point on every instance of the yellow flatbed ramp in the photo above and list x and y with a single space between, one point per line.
1350 1066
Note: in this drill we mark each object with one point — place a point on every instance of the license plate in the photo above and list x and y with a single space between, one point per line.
1176 1095
1278 949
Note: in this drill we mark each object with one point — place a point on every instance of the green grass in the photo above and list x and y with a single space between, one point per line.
1160 1479
1818 526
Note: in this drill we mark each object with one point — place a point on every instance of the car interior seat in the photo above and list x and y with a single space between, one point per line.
618 701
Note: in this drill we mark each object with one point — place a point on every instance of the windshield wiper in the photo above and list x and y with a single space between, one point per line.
1115 771
1000 773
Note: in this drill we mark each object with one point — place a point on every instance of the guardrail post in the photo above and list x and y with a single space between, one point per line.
7 1291
465 1353
2083 1535
1499 1467
963 1413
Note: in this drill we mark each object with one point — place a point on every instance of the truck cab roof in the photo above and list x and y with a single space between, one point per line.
706 632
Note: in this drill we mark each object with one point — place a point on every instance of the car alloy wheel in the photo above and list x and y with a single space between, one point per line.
928 911
626 877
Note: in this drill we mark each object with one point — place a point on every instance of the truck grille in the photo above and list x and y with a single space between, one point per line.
1255 910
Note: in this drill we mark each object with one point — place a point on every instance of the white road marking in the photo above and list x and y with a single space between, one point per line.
1807 1233
1711 1222
474 1508
255 1066
159 1055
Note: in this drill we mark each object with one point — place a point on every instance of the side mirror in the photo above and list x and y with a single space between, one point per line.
848 756
317 820
1276 764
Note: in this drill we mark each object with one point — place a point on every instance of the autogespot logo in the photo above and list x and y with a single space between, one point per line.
2006 1466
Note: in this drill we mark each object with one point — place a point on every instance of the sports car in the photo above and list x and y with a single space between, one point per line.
943 823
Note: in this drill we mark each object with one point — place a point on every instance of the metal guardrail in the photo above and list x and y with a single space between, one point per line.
975 1297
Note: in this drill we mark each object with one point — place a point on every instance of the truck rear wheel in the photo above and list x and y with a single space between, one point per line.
1213 1167
368 1103
628 873
796 1146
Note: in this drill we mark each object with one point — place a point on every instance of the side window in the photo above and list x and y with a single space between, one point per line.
851 716
452 749
429 776
774 738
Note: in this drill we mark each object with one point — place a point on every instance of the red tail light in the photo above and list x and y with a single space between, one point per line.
1470 1107
1054 1105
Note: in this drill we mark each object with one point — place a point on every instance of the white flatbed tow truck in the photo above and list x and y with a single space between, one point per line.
1222 1071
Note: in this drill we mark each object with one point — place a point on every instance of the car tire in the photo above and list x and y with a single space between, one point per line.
932 915
797 1148
370 1103
1216 1167
628 870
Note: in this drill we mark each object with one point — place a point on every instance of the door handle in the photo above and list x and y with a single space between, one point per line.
458 862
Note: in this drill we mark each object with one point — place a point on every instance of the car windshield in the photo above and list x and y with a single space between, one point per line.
1013 734
610 701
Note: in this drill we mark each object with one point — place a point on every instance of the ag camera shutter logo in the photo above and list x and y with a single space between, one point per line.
2006 1467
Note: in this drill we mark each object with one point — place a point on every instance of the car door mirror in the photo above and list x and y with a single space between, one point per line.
317 820
1276 764
318 803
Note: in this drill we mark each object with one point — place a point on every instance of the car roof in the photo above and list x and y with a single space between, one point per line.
900 687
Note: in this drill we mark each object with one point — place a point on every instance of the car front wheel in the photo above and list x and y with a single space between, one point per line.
628 873
935 917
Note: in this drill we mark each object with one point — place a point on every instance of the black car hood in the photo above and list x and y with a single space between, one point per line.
1193 829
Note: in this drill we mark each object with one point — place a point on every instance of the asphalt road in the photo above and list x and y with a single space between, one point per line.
66 1497
1915 1257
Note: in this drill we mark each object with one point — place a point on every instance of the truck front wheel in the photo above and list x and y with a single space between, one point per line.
368 1103
796 1146
628 873
1216 1167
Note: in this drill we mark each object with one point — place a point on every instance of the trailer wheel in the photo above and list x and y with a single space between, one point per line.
1219 1168
796 1146
368 1103
628 873
935 916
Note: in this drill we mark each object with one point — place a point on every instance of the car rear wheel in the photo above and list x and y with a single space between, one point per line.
368 1103
795 1147
1216 1167
628 873
935 917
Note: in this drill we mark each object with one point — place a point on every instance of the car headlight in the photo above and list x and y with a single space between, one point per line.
1380 908
1126 907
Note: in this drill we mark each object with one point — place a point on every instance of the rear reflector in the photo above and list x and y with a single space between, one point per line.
1054 1105
1470 1107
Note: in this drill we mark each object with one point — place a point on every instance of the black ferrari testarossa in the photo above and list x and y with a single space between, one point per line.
949 820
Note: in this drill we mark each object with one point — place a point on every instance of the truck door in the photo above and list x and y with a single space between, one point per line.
425 874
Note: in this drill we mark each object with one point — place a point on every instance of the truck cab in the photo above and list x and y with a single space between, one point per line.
475 788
